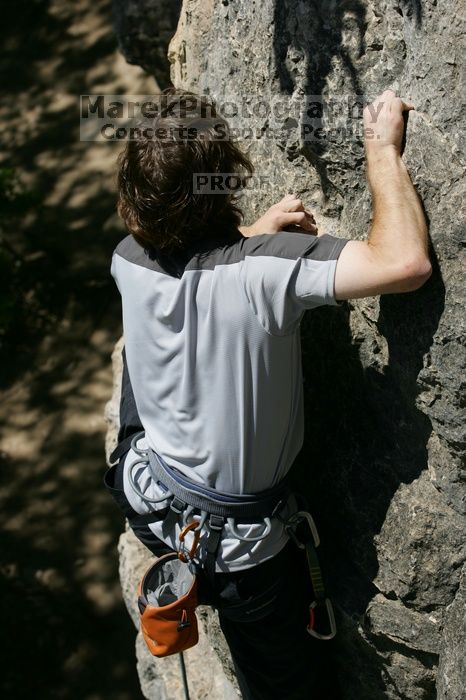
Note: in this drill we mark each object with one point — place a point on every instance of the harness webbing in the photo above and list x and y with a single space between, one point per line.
227 505
217 506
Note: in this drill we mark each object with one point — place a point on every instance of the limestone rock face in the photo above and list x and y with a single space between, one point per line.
382 462
452 668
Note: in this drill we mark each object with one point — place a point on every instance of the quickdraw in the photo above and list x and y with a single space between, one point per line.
308 539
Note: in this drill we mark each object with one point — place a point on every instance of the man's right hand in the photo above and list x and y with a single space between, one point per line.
384 124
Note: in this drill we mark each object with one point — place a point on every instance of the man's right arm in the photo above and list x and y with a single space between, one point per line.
395 256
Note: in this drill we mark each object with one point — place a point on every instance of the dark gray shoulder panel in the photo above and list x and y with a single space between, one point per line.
286 244
221 251
130 250
198 255
292 245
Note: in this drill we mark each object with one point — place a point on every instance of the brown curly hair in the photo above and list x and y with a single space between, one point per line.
156 198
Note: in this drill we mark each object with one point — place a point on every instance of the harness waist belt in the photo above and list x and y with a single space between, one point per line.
227 505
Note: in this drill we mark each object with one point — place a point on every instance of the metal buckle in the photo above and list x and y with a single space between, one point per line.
216 522
331 619
177 505
294 521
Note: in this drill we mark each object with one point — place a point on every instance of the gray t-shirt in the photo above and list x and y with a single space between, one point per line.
213 353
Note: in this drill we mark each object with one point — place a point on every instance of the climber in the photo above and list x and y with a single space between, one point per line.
212 373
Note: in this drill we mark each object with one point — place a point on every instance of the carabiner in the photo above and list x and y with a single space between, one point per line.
294 521
182 535
331 619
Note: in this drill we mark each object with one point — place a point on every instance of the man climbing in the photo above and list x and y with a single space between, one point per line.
211 316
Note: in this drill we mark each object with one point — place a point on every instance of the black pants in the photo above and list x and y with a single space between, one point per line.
274 656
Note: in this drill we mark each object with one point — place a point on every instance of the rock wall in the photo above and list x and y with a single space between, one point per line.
383 376
144 29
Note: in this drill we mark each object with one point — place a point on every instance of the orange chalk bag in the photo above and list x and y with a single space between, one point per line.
167 600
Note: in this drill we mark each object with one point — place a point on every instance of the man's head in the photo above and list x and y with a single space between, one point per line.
155 177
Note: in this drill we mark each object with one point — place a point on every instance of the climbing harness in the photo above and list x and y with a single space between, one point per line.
198 508
186 498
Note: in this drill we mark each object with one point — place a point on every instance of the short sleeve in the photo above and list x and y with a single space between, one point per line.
286 273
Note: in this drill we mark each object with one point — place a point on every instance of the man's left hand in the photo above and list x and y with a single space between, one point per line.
289 211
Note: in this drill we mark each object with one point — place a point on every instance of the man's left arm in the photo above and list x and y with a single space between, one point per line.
130 423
